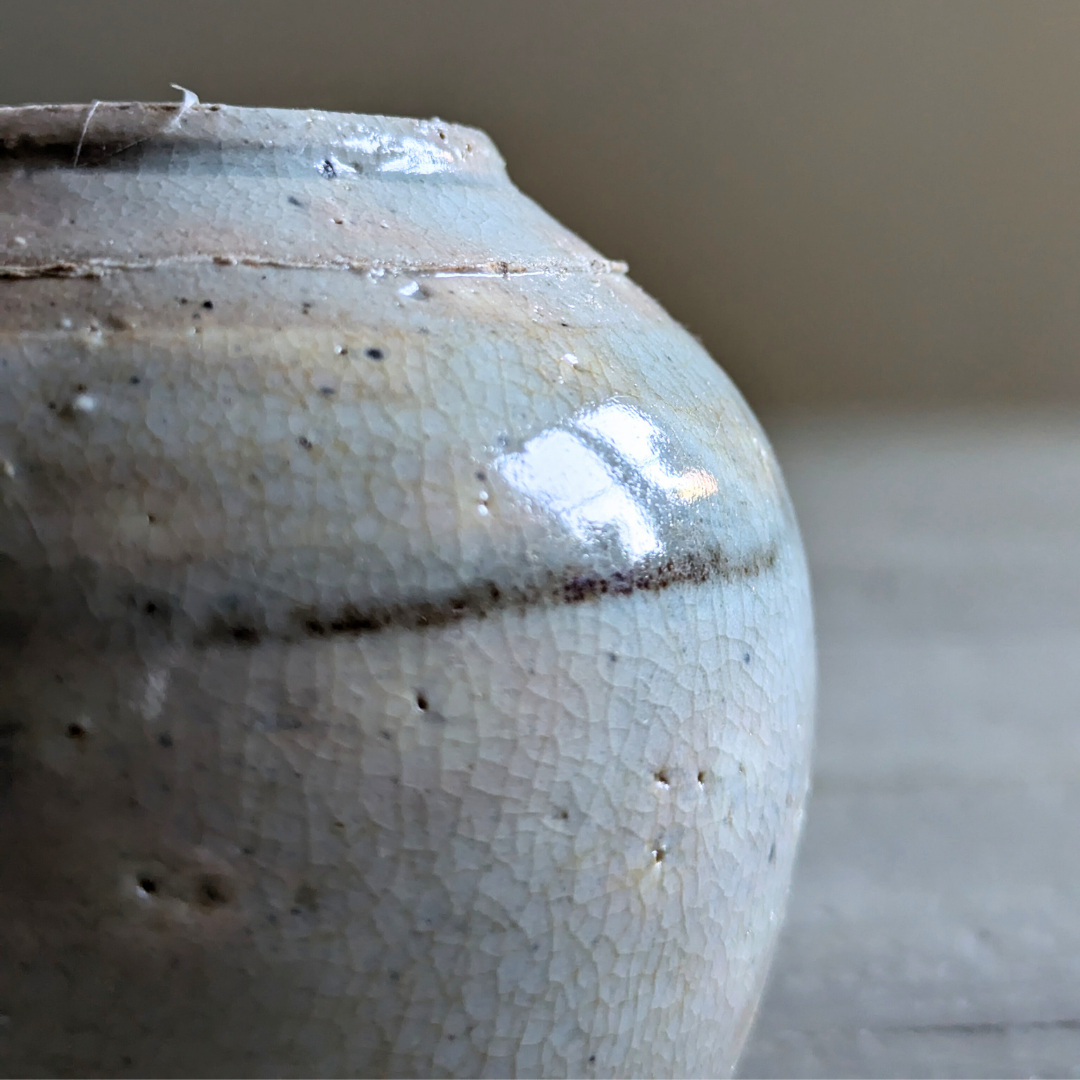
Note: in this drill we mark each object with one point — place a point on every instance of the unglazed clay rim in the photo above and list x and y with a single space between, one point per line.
110 127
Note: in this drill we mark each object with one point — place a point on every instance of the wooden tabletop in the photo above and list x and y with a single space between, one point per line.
934 923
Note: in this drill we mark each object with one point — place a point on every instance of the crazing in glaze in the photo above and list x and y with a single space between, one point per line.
405 635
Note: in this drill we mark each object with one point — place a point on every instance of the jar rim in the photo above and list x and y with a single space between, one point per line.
94 133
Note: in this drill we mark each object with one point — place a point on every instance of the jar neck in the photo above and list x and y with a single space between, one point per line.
105 187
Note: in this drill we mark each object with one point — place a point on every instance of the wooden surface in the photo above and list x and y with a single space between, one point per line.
934 924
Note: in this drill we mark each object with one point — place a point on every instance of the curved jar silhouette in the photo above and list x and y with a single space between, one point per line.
405 637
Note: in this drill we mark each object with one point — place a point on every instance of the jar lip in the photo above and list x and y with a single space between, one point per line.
92 133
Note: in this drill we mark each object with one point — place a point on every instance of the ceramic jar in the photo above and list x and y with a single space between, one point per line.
405 637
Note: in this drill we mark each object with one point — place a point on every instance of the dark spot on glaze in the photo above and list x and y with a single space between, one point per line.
212 892
224 632
148 885
165 740
746 658
374 354
772 854
327 391
662 777
592 1059
208 305
305 442
307 898
326 168
701 779
134 380
294 201
182 300
76 732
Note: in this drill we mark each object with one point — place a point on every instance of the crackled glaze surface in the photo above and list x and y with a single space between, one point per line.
405 635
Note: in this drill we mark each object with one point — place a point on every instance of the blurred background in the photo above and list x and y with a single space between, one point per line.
869 214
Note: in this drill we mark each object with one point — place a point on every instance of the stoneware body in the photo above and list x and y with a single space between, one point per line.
405 637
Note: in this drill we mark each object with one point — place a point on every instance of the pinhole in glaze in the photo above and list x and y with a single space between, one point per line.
405 636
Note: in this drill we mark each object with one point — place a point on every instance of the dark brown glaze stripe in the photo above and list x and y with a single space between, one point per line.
480 599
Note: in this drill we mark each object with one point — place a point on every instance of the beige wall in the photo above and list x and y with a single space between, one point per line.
848 201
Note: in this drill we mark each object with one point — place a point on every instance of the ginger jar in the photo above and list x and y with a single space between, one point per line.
406 653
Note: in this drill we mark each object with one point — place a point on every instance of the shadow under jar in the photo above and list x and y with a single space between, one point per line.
406 656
